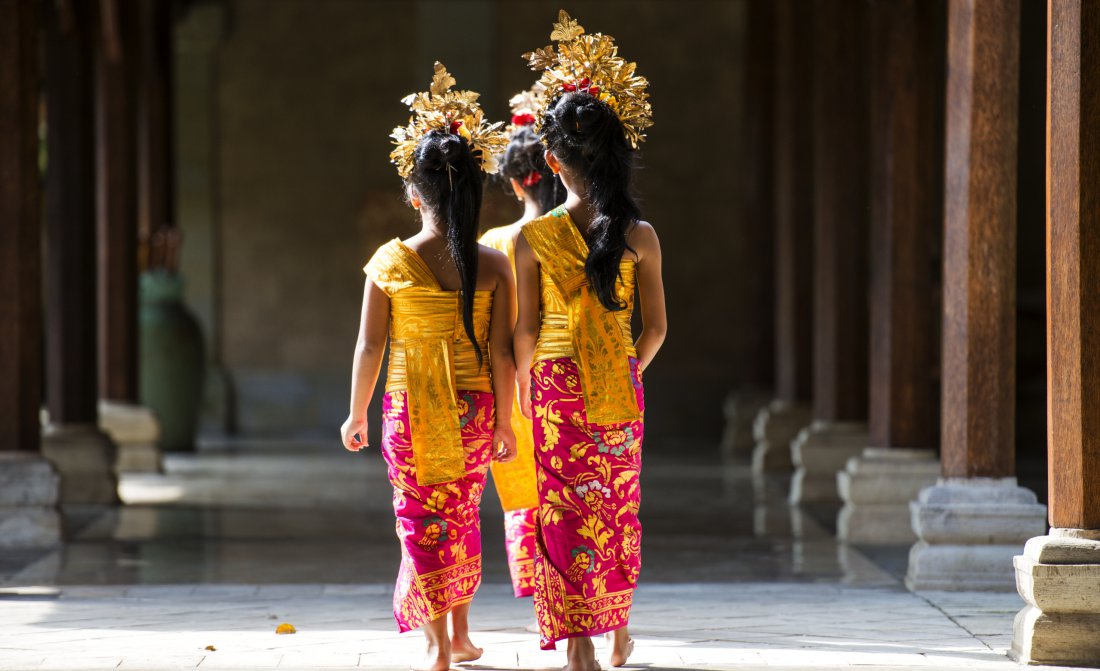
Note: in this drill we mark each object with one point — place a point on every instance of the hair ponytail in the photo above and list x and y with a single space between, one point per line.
524 162
448 179
585 134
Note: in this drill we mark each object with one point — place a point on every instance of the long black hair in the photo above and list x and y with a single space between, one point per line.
447 177
585 134
524 162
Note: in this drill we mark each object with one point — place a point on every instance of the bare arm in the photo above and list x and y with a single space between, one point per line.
527 320
502 359
374 326
651 293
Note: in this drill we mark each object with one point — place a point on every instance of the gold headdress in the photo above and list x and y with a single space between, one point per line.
525 107
456 112
591 63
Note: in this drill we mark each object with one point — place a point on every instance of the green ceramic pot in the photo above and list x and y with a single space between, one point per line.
171 353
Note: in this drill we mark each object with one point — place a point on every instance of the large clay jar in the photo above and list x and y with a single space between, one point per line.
171 359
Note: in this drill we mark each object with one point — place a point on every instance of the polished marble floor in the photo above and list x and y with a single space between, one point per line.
229 542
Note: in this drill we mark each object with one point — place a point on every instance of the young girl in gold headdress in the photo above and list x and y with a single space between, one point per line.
577 269
447 305
539 189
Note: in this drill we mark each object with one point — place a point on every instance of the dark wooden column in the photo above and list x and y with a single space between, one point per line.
154 110
116 201
840 113
1073 263
70 214
757 186
21 230
979 279
906 221
793 203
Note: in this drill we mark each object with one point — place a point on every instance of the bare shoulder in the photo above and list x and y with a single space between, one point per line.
642 238
492 260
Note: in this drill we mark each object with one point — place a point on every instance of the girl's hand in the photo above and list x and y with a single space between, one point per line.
354 434
523 390
504 443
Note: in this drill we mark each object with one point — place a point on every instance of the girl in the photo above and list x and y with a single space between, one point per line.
539 190
447 305
581 376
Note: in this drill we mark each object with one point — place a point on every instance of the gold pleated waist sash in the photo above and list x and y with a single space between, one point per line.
556 338
425 333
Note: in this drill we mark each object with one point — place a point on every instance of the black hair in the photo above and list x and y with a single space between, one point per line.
524 162
447 177
585 134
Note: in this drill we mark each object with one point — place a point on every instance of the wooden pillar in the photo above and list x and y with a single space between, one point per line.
1063 611
21 232
979 341
154 123
906 198
70 215
792 207
839 109
116 201
1073 264
28 499
989 515
84 455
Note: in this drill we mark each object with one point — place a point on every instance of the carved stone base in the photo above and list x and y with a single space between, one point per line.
740 410
1058 575
774 427
85 458
29 486
969 531
135 430
819 451
876 488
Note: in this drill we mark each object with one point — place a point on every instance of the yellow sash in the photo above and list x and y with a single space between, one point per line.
598 346
425 321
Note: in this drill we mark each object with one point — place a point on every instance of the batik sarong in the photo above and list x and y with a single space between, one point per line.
438 525
519 544
588 543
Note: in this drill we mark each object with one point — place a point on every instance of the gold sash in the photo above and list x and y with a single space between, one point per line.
425 323
598 343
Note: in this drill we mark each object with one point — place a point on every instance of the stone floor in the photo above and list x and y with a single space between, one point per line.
230 543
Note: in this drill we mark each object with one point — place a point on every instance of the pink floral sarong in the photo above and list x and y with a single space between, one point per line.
519 544
588 541
438 525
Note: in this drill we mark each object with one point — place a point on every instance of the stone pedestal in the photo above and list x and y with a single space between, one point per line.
969 529
135 431
85 458
740 410
876 488
29 487
819 451
774 427
1058 575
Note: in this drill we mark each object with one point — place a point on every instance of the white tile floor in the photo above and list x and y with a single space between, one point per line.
225 546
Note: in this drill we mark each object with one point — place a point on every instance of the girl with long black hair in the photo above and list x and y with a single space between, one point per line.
577 270
539 190
447 306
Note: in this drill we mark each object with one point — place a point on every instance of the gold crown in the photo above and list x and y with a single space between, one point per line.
455 112
591 63
525 107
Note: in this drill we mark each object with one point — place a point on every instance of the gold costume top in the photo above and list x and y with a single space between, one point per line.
514 480
575 324
430 356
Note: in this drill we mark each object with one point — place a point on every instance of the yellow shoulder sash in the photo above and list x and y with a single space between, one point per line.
597 337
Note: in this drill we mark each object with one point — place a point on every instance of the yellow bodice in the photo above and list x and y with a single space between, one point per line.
514 480
575 324
430 356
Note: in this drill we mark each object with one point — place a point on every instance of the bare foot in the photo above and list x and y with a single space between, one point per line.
621 647
533 628
464 650
581 655
435 659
